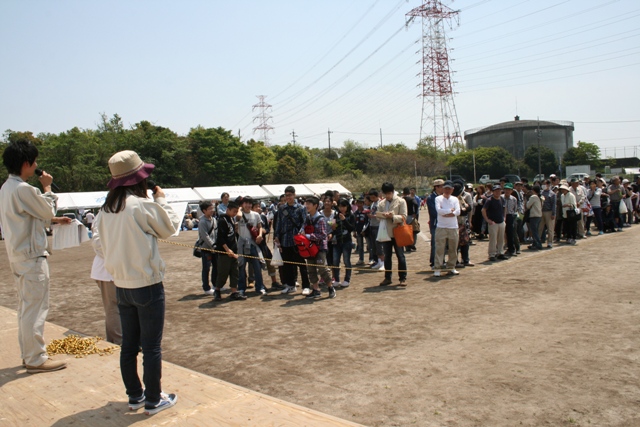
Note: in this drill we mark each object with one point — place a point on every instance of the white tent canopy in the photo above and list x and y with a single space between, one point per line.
214 193
70 201
321 188
94 199
174 195
276 190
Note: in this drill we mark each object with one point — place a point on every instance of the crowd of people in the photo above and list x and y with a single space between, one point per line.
296 241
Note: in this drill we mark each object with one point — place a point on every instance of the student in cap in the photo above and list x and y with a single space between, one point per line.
127 232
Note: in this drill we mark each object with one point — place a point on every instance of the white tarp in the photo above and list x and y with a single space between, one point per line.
70 201
174 195
321 188
214 193
276 190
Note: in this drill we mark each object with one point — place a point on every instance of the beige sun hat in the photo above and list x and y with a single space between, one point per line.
127 169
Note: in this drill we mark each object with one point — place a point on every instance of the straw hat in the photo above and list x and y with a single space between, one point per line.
565 187
127 169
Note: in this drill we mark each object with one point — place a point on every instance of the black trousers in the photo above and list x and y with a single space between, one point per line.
290 271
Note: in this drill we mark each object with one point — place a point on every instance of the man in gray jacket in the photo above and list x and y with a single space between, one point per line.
24 214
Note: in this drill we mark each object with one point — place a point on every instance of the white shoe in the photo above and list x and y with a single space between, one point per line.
209 292
377 265
306 291
289 290
381 268
436 273
263 291
345 284
455 272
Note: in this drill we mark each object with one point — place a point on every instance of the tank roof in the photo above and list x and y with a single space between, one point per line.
520 124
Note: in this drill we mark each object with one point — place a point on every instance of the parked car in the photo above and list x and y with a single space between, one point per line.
539 177
512 178
486 179
580 176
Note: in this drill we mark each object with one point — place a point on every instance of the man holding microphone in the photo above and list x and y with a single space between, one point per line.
24 214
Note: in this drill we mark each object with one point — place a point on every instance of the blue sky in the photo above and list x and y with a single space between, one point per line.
348 65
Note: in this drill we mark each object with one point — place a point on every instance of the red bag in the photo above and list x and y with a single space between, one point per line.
306 248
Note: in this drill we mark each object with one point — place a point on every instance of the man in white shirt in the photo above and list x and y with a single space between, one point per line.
448 209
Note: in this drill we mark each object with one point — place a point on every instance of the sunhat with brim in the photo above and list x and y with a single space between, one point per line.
127 169
565 187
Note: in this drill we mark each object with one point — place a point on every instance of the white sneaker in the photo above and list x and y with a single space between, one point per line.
288 290
209 292
306 291
166 401
263 291
345 284
455 272
377 265
436 273
381 268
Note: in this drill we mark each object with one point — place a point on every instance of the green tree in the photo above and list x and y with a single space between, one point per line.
301 158
287 170
353 156
495 161
218 157
162 147
548 159
72 158
263 163
585 153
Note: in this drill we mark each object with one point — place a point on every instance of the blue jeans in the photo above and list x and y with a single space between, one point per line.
209 264
142 317
257 270
344 250
389 247
534 224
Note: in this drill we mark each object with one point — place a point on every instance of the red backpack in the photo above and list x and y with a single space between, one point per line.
306 248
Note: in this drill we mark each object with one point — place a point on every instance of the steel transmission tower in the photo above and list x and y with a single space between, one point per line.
439 117
263 119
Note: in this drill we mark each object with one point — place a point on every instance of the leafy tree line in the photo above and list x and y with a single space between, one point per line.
78 158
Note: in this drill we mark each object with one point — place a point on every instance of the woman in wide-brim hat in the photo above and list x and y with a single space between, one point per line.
569 215
126 232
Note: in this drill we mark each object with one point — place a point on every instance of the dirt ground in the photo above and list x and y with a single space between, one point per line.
547 338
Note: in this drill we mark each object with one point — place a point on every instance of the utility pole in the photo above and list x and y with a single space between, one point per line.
293 135
380 137
539 137
473 152
329 137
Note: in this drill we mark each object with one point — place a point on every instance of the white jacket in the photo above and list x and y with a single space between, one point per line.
128 240
24 214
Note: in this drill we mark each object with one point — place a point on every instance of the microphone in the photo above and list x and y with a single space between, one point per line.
54 186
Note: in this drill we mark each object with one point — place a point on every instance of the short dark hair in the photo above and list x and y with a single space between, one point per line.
373 192
205 205
313 200
255 202
536 189
232 205
290 189
223 194
344 202
329 193
16 153
387 187
406 190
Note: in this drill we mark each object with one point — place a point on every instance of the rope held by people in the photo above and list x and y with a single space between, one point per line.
286 262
